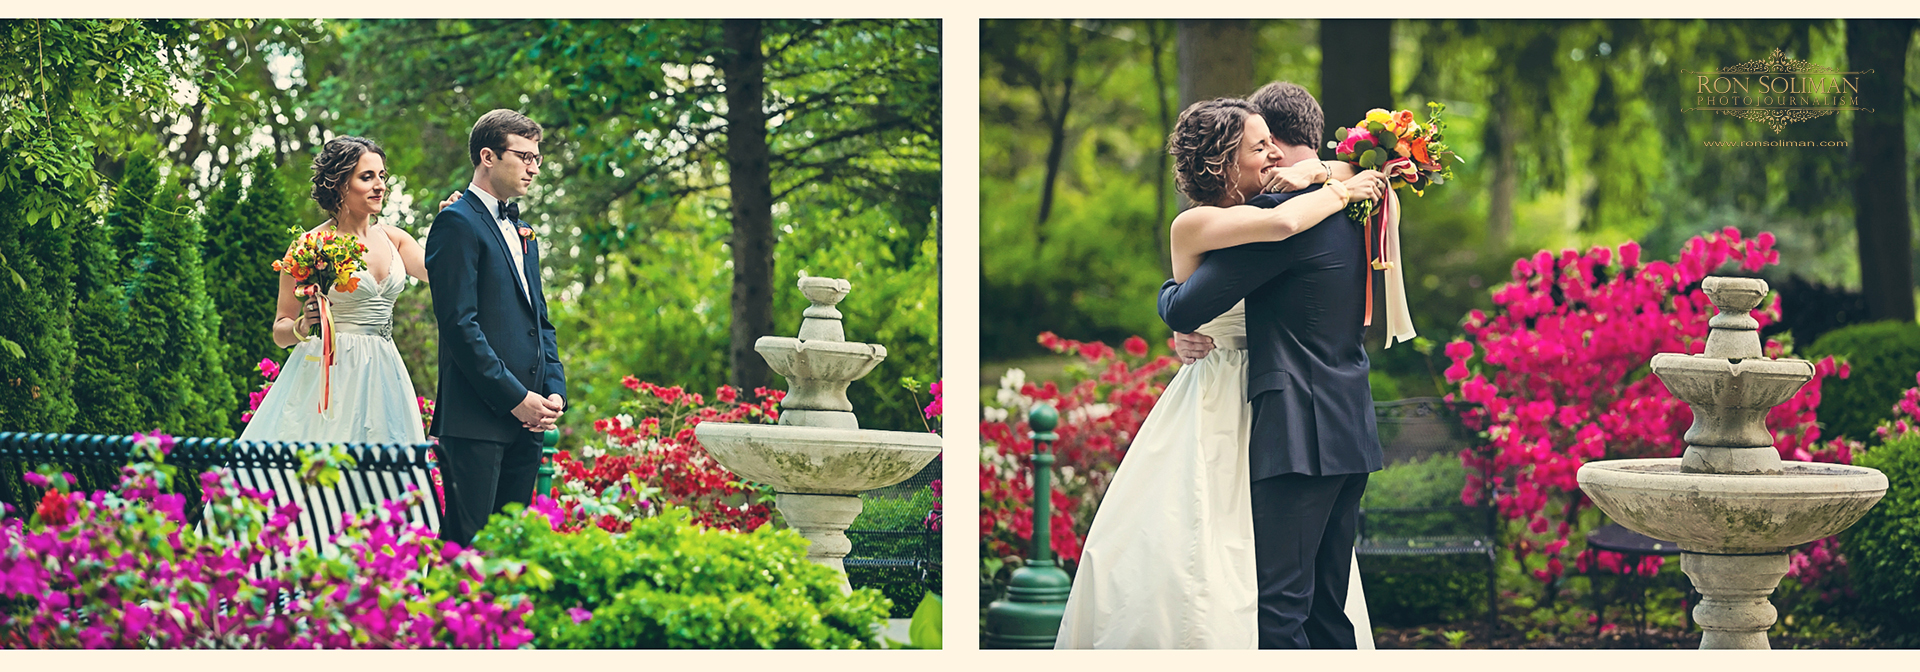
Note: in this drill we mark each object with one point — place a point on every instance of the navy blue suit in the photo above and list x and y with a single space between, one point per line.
1313 435
495 346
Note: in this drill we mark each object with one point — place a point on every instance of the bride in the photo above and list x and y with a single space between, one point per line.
371 399
1169 561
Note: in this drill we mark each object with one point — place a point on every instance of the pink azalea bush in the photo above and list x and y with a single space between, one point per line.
1107 397
123 569
1557 376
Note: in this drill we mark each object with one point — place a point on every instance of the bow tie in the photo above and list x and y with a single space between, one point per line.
510 211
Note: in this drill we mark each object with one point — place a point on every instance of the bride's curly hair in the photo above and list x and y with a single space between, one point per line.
1202 145
335 163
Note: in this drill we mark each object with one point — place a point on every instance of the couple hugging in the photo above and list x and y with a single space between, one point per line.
501 381
1231 522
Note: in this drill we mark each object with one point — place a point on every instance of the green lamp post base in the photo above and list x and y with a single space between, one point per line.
1029 618
1037 596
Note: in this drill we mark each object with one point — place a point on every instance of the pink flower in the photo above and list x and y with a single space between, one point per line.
579 615
1354 135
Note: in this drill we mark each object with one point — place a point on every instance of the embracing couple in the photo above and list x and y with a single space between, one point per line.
501 381
1231 522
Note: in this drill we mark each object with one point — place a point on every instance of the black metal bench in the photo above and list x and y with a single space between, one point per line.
381 472
900 563
1416 429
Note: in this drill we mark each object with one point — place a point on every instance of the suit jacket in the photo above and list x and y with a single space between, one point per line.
495 342
1306 353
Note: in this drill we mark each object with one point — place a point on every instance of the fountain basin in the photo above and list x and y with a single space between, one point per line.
1732 513
818 460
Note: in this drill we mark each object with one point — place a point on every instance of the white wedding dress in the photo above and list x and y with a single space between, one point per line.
372 399
1169 561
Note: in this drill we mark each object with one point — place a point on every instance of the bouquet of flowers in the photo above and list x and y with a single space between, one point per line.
1409 152
318 260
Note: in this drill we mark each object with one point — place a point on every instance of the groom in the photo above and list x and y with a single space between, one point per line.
1313 439
501 380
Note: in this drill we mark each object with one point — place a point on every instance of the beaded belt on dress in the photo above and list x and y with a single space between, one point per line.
382 330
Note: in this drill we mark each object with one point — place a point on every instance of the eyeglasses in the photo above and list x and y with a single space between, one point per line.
531 158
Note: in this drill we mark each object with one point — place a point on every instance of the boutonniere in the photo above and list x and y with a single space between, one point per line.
526 239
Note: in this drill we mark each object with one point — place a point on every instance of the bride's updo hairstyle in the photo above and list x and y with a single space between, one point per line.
1202 145
334 164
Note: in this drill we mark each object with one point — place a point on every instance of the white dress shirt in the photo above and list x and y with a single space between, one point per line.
508 232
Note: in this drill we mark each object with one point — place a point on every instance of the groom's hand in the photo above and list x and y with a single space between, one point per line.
535 411
1192 347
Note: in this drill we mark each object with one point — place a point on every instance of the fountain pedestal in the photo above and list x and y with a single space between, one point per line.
817 458
1729 501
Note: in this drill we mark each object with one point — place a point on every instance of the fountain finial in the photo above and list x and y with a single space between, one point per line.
1734 334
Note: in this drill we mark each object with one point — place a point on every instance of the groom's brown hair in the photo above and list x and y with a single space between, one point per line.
491 132
1292 114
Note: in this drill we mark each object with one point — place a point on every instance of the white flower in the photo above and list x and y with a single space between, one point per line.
589 450
625 419
1088 413
1013 379
991 414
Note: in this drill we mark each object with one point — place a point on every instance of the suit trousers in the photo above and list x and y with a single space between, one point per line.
1303 531
483 477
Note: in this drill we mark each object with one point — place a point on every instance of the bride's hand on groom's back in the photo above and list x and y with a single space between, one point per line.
451 198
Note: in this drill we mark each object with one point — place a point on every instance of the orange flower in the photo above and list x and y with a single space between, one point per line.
348 285
1403 149
1403 123
1419 147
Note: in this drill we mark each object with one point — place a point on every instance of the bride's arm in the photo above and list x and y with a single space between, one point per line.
1206 228
291 319
412 256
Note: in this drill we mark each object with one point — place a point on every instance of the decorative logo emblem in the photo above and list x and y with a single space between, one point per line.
1776 91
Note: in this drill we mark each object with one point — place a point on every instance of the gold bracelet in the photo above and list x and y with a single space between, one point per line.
1339 189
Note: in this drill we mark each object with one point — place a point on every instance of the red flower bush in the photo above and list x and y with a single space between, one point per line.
1567 348
1107 398
640 465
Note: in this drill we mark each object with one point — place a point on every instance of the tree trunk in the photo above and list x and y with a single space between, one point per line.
1880 161
751 187
1056 118
1500 139
1215 58
1356 76
1162 177
1355 71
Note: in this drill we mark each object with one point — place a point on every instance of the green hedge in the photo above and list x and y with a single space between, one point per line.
668 583
1883 356
1418 590
1883 549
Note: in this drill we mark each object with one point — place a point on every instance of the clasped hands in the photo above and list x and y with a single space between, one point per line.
539 414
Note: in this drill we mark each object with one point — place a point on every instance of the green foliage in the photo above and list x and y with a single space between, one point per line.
36 341
1432 481
668 583
1883 356
244 237
183 388
1883 549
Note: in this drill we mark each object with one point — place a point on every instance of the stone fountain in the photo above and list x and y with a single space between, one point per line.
817 458
1730 502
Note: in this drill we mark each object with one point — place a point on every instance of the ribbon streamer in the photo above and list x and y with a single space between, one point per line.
1386 225
1399 318
326 350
